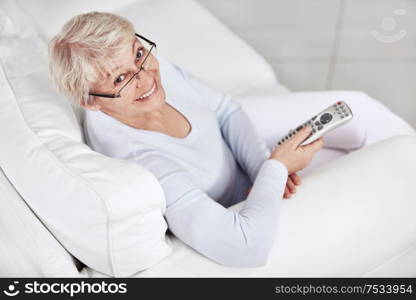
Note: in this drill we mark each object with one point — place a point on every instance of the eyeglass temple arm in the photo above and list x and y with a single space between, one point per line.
105 95
147 40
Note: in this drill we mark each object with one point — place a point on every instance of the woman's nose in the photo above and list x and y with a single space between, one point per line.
143 78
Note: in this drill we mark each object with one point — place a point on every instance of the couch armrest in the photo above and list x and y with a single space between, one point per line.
350 216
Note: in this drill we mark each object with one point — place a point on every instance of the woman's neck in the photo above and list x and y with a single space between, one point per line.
155 120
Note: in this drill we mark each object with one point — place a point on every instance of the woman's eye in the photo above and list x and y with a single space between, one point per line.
120 79
139 54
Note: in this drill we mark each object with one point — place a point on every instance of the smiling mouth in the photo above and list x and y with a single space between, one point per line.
149 93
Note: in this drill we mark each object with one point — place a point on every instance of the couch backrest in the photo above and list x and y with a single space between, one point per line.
186 34
106 212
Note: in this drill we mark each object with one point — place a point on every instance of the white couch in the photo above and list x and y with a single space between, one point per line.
353 216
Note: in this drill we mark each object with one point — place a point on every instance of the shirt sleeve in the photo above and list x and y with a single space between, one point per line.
248 148
232 238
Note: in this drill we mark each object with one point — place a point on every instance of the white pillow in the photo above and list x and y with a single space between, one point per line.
106 212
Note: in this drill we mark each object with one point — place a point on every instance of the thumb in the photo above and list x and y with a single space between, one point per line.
301 135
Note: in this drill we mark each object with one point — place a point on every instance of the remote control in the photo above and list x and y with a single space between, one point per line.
327 120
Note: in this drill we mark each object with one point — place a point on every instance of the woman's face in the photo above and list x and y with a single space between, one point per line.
140 96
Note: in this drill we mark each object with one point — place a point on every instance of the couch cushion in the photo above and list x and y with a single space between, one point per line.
27 249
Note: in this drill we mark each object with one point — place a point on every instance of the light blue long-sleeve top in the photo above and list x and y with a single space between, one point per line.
204 173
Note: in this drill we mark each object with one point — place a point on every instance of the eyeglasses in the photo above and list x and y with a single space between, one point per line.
142 62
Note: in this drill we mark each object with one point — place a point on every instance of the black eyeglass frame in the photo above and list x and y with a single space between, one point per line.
118 95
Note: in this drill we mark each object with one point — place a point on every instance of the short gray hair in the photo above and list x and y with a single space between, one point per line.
84 51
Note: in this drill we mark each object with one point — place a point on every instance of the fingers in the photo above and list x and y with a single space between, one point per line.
291 185
301 135
290 188
295 178
292 180
286 194
315 146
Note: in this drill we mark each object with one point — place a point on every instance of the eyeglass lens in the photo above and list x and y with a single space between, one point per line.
143 63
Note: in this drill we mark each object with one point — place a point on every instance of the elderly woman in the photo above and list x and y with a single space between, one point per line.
198 143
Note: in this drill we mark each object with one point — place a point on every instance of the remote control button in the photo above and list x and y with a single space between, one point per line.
317 123
320 127
326 118
313 119
342 116
299 128
313 130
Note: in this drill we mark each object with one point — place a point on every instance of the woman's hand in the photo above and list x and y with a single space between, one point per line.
292 181
294 156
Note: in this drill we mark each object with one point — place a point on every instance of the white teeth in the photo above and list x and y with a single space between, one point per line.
148 93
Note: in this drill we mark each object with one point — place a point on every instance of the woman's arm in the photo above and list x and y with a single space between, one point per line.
236 239
248 148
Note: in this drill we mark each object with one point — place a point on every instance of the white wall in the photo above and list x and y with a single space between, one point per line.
333 44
